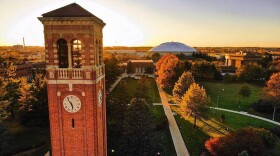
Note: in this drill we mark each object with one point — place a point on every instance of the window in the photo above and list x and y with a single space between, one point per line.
62 53
73 123
76 53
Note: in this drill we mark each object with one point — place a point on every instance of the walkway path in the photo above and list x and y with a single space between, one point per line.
117 81
177 138
246 114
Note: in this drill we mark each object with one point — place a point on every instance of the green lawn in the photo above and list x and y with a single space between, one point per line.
131 86
212 127
229 97
194 138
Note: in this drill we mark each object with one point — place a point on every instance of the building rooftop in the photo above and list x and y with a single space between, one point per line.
172 47
71 10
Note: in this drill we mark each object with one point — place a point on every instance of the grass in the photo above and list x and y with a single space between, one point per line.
25 139
212 127
229 97
131 89
194 138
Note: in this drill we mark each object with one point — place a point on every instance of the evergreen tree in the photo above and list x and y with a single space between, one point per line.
182 85
245 91
195 102
142 90
138 138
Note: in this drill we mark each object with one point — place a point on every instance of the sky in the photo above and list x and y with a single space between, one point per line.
197 23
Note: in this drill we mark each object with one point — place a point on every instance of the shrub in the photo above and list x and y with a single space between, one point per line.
275 131
229 78
263 106
237 142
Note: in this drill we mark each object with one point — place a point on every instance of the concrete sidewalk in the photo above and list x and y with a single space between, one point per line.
177 138
117 81
246 114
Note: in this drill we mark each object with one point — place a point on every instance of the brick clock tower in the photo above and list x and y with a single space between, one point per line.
75 80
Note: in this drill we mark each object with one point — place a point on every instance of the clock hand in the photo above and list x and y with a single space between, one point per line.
70 103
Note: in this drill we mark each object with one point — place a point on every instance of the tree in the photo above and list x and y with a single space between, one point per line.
138 138
272 90
237 142
169 69
205 71
251 72
36 104
10 98
112 70
142 89
117 105
195 102
182 85
155 57
245 91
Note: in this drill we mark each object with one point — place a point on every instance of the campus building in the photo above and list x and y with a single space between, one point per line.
172 47
240 59
140 66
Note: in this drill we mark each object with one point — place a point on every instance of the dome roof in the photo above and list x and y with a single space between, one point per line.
170 47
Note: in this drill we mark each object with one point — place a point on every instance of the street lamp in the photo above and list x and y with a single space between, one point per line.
218 97
274 111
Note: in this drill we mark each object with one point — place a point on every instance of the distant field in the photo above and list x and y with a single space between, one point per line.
229 97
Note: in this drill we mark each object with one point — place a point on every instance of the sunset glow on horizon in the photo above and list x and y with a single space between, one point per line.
198 23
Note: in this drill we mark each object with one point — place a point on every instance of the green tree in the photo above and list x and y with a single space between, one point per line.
138 138
112 70
36 107
251 72
195 102
182 85
245 91
10 98
205 71
155 57
142 89
117 105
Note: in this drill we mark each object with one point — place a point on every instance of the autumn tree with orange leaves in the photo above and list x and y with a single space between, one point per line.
272 89
169 68
182 85
195 102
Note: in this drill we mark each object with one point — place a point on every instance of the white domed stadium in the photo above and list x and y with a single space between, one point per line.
174 48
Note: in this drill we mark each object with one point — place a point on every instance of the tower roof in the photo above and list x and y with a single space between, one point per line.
71 10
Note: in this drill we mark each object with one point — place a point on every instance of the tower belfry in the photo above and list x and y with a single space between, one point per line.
75 81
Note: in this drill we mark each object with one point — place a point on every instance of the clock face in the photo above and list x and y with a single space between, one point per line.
72 103
99 98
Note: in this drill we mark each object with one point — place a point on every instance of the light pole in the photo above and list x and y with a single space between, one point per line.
218 97
274 111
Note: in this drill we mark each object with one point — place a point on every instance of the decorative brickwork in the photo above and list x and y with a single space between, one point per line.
83 132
